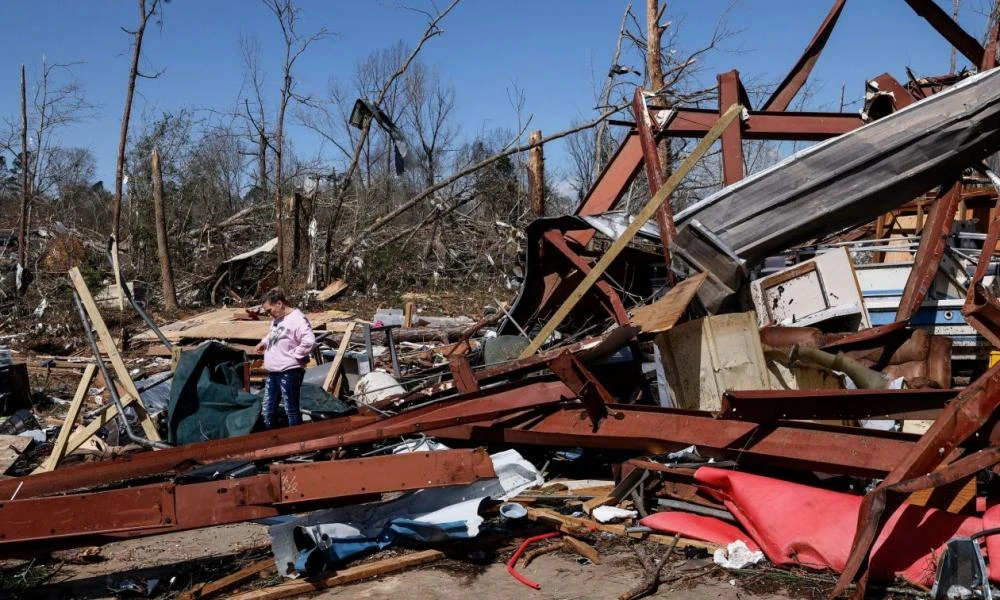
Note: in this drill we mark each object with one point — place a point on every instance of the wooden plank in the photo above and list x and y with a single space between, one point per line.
235 324
332 291
583 549
641 218
80 436
59 449
11 447
344 576
408 314
121 371
338 359
118 274
210 590
665 312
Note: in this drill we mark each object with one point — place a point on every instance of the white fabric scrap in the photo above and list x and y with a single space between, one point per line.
607 514
737 556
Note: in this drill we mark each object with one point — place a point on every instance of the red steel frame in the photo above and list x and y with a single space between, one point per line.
167 507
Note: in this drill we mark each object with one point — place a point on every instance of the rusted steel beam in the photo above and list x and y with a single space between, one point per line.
172 460
594 396
616 308
949 29
990 55
981 309
611 184
960 419
807 446
901 96
732 137
471 408
933 240
168 507
462 375
773 405
763 125
797 77
654 172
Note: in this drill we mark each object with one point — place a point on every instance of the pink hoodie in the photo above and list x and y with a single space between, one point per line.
288 344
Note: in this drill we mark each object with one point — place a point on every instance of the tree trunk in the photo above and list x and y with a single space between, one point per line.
22 235
536 175
654 67
602 127
116 206
166 271
262 163
295 202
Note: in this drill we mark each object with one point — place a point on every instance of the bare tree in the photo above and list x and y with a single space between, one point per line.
613 71
22 236
163 251
429 107
145 13
256 113
295 44
510 150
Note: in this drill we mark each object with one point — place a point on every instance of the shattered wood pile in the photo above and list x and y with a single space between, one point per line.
756 377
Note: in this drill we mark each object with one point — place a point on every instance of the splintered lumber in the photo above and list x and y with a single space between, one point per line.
204 591
625 239
59 449
582 548
665 312
334 371
576 526
408 314
121 371
373 569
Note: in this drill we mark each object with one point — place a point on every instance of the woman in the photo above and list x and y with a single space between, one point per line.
286 350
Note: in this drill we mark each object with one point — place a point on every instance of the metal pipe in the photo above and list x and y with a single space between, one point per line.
695 508
107 378
128 296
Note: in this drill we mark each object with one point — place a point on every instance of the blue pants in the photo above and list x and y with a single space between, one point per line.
285 385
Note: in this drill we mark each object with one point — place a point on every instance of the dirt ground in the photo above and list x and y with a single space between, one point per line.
180 559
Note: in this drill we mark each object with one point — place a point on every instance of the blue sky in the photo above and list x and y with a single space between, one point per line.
551 50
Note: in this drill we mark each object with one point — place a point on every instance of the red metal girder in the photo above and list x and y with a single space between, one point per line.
960 419
797 77
732 137
163 508
773 405
462 375
981 309
611 184
933 240
949 29
592 393
148 507
901 96
990 54
617 309
172 460
310 482
762 125
486 405
654 172
808 446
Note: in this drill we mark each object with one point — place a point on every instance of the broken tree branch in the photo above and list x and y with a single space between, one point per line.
383 220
